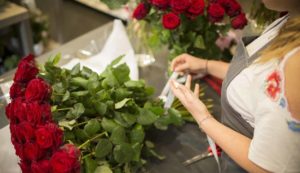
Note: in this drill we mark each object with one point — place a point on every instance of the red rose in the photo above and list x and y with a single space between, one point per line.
49 136
196 8
26 130
215 12
38 114
180 5
25 167
41 166
141 11
232 7
18 147
32 151
57 134
239 22
17 90
37 90
16 111
162 4
26 70
170 21
63 162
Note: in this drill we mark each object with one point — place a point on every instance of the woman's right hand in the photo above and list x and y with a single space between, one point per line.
186 63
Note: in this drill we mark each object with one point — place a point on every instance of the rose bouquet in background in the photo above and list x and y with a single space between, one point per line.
190 26
67 121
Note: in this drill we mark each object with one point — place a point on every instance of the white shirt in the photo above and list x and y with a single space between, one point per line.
274 146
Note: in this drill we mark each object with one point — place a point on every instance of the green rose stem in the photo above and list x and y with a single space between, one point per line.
90 140
63 109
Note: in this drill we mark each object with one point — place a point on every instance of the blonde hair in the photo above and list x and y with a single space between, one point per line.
288 38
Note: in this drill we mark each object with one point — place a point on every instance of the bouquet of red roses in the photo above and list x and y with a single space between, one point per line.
191 26
37 139
69 121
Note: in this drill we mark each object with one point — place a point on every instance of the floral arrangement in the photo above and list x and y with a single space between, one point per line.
191 26
69 121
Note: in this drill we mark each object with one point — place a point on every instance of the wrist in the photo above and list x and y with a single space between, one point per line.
203 118
207 62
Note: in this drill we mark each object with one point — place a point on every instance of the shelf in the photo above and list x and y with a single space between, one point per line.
11 14
122 13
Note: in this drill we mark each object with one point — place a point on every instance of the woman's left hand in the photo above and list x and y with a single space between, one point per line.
189 99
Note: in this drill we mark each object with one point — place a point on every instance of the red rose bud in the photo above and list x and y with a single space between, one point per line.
162 4
180 5
38 114
32 151
197 7
37 90
63 162
141 11
215 12
239 22
26 70
41 166
232 7
17 90
170 21
71 150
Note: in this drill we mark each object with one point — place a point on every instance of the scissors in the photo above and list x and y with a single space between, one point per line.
202 156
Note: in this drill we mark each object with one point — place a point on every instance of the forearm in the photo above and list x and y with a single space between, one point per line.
217 68
233 143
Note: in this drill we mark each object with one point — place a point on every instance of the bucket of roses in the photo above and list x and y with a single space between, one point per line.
69 121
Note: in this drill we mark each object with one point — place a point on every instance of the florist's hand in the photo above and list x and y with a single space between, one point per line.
190 99
186 63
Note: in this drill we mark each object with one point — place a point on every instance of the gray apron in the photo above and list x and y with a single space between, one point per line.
230 117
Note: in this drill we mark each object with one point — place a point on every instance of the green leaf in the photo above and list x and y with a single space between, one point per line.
76 111
86 71
67 124
75 70
103 148
146 117
81 135
117 60
79 81
121 73
118 136
66 96
125 119
122 103
54 59
100 107
103 169
123 153
109 125
199 42
79 93
137 152
92 127
89 165
137 134
135 84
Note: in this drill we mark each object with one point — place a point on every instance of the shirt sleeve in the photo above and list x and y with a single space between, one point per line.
273 144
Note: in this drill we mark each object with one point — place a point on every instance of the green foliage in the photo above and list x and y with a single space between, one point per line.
106 115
